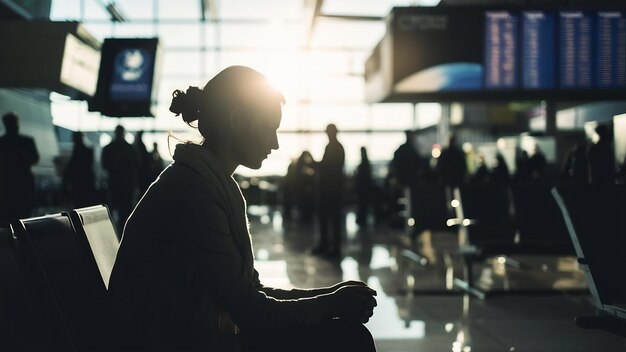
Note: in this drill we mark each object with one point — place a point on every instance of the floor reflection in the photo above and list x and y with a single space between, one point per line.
418 307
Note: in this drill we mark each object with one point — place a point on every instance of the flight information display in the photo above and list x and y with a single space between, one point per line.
611 49
531 52
501 68
538 50
575 56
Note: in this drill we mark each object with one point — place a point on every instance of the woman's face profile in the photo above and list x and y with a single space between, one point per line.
256 136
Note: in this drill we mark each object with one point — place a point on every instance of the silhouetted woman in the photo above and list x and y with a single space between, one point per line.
184 276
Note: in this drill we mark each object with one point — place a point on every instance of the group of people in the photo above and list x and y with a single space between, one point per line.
320 188
130 169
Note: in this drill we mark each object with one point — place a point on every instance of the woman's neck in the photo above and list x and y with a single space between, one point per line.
223 155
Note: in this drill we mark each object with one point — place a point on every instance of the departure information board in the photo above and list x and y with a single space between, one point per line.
575 56
492 52
538 50
611 49
501 67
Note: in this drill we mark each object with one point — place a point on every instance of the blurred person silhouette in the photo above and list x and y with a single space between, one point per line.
306 191
404 173
289 189
79 179
18 154
120 160
575 168
601 158
482 175
156 162
363 187
451 164
144 159
537 164
405 162
331 189
523 170
500 173
184 275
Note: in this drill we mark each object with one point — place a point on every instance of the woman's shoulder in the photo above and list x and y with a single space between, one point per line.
181 179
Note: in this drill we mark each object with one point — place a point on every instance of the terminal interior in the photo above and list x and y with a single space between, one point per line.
520 248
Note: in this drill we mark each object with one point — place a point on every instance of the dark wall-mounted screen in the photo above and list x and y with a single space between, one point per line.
128 77
507 52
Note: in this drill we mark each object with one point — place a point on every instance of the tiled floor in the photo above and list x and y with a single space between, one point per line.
418 307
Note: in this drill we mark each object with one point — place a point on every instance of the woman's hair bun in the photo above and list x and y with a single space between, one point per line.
187 103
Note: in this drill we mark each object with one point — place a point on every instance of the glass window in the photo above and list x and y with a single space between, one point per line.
345 89
390 116
181 63
64 10
133 30
137 9
100 31
179 9
254 9
95 10
180 35
335 33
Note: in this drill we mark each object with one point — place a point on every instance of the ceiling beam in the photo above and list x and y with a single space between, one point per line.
313 9
208 9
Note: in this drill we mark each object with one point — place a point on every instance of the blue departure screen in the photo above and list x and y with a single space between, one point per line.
500 50
538 50
132 75
575 57
610 37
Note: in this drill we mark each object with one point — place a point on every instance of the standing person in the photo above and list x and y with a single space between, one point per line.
500 173
364 187
306 190
451 164
156 162
601 157
79 179
331 188
18 154
184 276
537 164
406 169
120 161
144 170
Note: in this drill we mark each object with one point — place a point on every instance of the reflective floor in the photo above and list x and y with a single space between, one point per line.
532 308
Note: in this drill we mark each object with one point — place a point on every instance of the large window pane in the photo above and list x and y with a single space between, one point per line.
137 9
334 33
133 30
181 63
64 10
179 9
180 35
95 10
255 9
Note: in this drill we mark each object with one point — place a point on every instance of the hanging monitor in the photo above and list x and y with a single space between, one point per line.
128 79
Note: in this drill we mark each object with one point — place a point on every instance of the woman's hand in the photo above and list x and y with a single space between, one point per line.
337 286
354 302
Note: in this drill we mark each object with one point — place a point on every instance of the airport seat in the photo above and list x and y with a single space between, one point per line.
31 321
73 277
538 221
96 229
593 219
489 226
